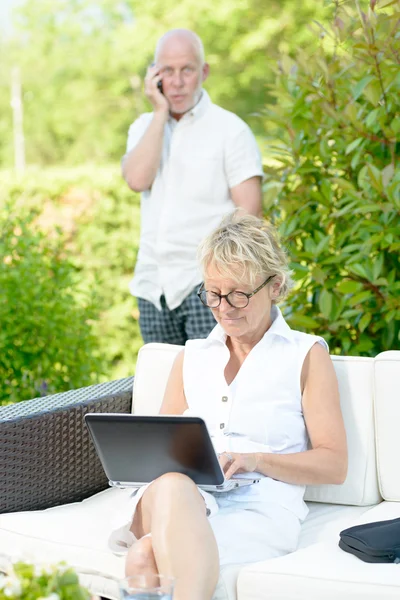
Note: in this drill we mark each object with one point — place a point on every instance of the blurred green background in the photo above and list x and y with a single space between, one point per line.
318 82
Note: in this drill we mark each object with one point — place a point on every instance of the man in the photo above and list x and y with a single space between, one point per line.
193 162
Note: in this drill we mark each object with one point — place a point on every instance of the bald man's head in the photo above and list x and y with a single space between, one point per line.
179 57
180 37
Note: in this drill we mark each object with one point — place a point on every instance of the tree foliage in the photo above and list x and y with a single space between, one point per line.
82 63
334 189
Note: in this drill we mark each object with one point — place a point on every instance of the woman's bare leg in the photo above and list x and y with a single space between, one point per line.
140 559
184 546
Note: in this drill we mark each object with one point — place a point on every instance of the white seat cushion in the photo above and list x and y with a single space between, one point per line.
325 571
78 533
324 521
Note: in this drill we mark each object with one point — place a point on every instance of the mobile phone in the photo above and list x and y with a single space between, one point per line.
159 83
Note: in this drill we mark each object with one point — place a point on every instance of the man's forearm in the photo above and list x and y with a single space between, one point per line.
140 165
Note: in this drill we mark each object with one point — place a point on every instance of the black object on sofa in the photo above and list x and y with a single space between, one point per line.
376 542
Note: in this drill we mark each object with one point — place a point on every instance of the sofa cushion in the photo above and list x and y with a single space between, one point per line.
387 422
325 521
323 570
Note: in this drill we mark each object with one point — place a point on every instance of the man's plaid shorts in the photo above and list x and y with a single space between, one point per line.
188 321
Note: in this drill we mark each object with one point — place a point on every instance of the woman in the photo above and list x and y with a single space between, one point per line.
270 399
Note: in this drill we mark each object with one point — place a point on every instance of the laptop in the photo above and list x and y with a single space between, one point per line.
135 450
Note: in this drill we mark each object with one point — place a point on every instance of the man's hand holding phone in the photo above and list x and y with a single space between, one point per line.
153 89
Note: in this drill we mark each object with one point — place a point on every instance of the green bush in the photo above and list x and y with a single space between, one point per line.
100 220
334 178
46 339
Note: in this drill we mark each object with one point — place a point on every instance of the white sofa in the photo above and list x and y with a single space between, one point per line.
370 397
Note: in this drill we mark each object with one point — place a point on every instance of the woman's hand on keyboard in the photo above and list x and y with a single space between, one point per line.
233 463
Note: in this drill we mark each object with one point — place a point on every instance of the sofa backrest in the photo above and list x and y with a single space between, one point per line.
356 385
153 366
387 423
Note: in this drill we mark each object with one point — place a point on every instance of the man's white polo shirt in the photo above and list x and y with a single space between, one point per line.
207 152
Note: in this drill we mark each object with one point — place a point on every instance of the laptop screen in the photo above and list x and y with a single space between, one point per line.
138 449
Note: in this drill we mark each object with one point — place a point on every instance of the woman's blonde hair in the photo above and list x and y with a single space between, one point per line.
246 247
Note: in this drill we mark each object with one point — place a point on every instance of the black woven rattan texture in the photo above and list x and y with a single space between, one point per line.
46 455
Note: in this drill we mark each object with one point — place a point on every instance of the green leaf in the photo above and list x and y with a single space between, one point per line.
354 144
310 245
390 315
288 227
364 321
322 245
338 304
373 92
359 298
358 269
344 184
368 208
303 322
326 189
359 88
381 281
377 267
325 303
346 345
387 174
271 191
372 117
351 248
350 313
356 159
362 178
364 345
319 275
350 112
346 209
375 177
349 287
299 267
388 335
395 125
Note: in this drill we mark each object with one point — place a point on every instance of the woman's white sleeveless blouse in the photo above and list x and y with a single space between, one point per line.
261 411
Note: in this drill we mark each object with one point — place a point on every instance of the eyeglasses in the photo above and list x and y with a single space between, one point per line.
234 299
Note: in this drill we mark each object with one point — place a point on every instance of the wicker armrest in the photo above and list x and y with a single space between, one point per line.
46 455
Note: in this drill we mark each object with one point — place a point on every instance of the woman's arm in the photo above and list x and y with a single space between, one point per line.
326 462
174 402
